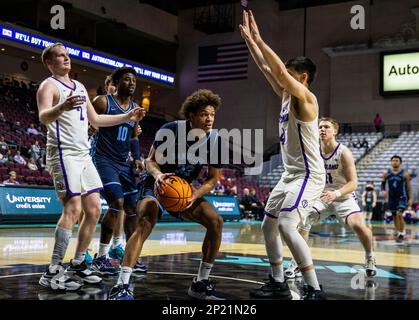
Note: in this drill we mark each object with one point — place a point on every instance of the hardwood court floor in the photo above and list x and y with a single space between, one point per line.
172 255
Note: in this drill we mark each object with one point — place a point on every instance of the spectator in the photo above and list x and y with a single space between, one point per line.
357 144
3 144
3 159
19 159
12 178
378 122
413 173
365 144
35 151
2 118
40 133
218 189
41 164
32 165
9 156
246 203
32 130
18 128
256 206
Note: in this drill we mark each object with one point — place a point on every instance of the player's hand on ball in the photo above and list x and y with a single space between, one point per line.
328 196
192 199
137 114
159 182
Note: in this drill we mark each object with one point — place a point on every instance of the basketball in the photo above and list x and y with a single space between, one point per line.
177 193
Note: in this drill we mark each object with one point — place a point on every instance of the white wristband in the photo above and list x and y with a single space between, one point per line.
337 193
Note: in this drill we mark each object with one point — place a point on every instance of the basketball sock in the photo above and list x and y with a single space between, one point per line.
62 238
311 278
369 254
116 241
103 249
124 275
78 258
274 247
204 271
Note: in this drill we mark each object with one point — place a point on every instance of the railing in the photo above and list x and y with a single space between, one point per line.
387 129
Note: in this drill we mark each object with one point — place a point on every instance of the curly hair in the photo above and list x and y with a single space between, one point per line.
199 100
119 72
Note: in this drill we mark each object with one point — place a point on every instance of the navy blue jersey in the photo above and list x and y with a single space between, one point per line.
114 142
396 184
181 165
369 198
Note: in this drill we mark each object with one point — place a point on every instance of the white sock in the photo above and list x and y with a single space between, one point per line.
116 241
204 271
311 278
369 254
124 275
103 249
79 258
278 272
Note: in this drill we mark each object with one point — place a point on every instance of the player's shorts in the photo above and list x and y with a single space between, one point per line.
118 180
368 208
342 208
294 196
397 203
73 173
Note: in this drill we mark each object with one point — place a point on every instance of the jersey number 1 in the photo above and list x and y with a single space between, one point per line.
329 179
122 134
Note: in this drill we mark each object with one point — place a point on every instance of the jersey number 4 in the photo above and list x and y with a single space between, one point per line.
122 134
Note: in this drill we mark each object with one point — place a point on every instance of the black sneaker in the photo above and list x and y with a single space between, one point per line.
400 238
311 294
204 290
139 268
121 292
82 273
273 289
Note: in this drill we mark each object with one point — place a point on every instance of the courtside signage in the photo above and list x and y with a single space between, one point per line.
400 73
90 56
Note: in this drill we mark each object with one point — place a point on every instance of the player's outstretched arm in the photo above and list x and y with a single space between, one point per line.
48 112
104 120
247 35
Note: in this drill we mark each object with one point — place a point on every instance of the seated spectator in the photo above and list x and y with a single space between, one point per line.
35 150
19 159
16 127
2 118
365 144
3 159
357 144
9 156
246 203
41 164
413 173
218 189
12 178
256 206
3 144
32 130
32 165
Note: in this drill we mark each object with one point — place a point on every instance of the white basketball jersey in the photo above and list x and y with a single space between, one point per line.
300 147
335 177
69 131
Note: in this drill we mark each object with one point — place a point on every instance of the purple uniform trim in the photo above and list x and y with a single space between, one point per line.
317 210
93 190
297 202
333 153
73 89
270 215
60 152
346 219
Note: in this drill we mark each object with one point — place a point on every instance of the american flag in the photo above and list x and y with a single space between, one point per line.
223 62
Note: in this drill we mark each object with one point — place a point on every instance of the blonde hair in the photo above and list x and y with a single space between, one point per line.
334 123
47 52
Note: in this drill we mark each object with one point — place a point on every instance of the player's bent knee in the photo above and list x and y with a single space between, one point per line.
117 204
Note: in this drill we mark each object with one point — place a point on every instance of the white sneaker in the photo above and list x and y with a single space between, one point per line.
64 282
370 268
51 272
293 271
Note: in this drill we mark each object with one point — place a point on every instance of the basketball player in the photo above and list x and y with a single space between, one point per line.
111 157
65 109
304 177
339 194
399 195
199 110
369 201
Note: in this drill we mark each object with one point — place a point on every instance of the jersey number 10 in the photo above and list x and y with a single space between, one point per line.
122 134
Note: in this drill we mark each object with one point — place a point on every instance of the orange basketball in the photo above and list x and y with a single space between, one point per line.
177 193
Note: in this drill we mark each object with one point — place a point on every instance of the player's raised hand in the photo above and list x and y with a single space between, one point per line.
254 30
245 27
136 114
159 182
72 102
